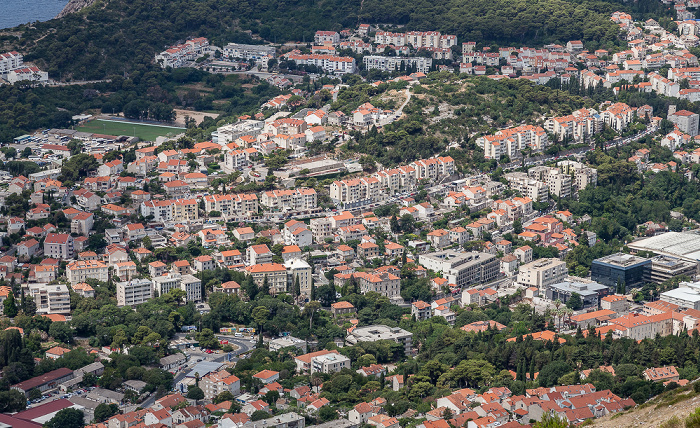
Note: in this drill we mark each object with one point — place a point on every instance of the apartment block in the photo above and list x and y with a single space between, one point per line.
558 182
134 292
462 269
529 187
240 205
542 273
171 210
215 383
283 200
189 284
355 192
50 299
275 273
82 270
511 141
58 246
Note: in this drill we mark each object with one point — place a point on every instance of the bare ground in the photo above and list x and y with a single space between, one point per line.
652 415
198 116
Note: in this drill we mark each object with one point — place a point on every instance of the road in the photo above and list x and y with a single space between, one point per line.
542 158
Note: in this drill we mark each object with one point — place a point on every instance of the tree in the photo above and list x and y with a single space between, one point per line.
265 288
310 310
195 393
260 315
207 339
66 418
259 415
327 413
394 224
552 421
12 401
34 394
517 226
271 397
61 331
575 302
105 411
10 308
224 396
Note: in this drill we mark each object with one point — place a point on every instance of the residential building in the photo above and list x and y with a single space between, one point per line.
662 374
58 246
82 270
285 200
134 292
215 383
240 205
299 269
687 122
305 362
189 284
462 269
529 187
542 273
618 304
50 299
274 273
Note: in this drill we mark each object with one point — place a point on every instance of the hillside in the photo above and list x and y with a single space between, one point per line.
117 36
657 412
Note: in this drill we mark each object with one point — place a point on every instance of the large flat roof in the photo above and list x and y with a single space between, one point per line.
203 368
685 245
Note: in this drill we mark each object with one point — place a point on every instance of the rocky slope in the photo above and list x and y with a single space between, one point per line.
74 6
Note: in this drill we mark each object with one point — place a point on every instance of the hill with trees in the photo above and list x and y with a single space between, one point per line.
120 36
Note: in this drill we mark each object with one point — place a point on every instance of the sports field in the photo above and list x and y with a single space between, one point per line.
145 132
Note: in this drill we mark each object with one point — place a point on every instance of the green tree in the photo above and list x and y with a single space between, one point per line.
105 411
12 401
517 226
61 331
66 418
552 421
207 339
34 394
260 315
224 396
259 415
575 302
9 306
327 413
195 393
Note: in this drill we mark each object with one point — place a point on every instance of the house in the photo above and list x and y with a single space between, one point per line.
661 374
267 376
340 308
255 406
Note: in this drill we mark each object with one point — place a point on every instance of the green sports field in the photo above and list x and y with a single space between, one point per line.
145 132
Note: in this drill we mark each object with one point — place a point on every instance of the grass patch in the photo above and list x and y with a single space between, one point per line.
143 131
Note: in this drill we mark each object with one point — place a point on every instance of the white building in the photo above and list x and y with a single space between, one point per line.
542 273
134 292
50 299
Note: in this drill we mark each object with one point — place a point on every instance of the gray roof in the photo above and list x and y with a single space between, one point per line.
89 368
171 359
203 368
135 384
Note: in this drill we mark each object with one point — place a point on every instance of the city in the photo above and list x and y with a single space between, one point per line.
373 226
